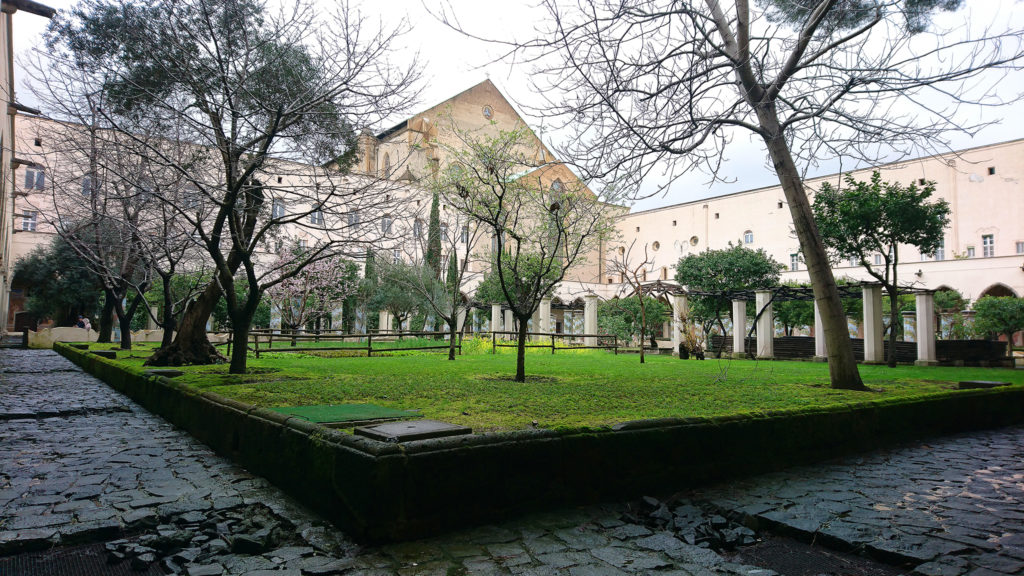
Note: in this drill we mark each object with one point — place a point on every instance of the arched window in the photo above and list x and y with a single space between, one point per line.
748 237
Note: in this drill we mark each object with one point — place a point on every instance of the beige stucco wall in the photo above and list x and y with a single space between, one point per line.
981 204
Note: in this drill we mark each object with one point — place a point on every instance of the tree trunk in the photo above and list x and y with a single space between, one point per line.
124 321
841 363
453 332
521 350
894 317
643 327
240 347
169 323
190 345
106 320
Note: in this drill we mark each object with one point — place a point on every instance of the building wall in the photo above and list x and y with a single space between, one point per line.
6 152
981 203
8 174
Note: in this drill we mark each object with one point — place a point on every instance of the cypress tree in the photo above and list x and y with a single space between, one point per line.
433 255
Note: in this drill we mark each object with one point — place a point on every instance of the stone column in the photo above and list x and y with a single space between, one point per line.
510 325
680 309
495 317
460 319
545 316
275 319
534 324
360 327
590 319
739 328
925 304
154 312
337 319
384 322
874 345
765 324
820 351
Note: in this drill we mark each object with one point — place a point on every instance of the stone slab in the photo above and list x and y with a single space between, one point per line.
409 431
983 384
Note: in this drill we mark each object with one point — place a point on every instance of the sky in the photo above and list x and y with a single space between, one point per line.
452 62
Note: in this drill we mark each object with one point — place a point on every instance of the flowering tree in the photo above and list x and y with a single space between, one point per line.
314 291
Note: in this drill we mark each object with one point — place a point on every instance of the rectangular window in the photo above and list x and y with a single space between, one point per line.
277 209
970 251
87 186
303 244
353 218
940 252
385 224
794 262
417 228
316 218
396 256
1020 247
991 170
988 245
465 235
444 233
28 220
854 261
878 259
35 178
748 237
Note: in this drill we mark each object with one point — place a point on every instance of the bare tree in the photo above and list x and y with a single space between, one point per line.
268 101
98 205
634 271
663 86
541 221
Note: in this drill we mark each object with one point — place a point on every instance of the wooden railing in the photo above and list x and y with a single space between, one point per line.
569 341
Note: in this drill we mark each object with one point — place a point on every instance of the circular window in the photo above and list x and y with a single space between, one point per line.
655 246
488 112
694 240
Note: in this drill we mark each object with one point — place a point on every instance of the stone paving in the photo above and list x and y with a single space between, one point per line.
950 506
80 463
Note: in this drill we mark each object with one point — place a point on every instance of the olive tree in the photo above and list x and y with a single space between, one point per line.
267 103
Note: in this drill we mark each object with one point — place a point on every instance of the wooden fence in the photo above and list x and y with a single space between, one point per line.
263 340
567 339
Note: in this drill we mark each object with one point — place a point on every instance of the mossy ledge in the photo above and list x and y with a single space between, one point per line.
376 491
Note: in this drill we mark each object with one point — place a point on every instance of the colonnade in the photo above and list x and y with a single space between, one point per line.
874 346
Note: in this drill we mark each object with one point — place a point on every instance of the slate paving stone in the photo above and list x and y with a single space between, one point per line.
83 463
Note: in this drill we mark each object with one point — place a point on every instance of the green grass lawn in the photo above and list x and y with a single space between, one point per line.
570 389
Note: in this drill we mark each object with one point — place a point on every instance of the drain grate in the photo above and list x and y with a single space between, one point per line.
85 560
794 558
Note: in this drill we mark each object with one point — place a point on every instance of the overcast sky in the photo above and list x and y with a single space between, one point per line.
452 62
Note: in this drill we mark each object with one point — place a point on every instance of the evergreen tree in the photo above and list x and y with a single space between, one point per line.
433 255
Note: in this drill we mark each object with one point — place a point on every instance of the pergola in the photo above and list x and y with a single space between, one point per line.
764 320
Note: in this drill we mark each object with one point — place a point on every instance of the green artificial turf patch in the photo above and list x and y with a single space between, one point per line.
345 413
